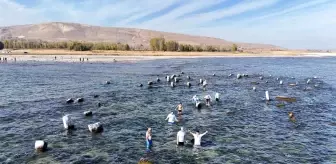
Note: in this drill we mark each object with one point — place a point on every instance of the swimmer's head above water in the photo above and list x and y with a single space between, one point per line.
291 116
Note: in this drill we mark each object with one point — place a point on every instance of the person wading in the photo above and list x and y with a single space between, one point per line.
149 139
197 137
207 99
171 118
180 137
179 108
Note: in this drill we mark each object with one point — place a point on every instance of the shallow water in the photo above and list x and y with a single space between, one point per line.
242 128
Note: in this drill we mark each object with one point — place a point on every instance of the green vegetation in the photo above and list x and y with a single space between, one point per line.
155 44
159 44
185 48
234 48
2 46
69 45
172 46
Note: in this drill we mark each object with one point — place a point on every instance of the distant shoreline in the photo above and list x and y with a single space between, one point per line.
132 56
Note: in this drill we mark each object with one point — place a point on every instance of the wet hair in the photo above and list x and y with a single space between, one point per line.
197 131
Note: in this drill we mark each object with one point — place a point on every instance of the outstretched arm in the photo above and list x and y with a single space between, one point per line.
204 133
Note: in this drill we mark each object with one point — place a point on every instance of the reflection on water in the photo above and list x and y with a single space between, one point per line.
242 128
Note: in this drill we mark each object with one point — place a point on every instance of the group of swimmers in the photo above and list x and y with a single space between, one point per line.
180 138
207 98
80 59
4 59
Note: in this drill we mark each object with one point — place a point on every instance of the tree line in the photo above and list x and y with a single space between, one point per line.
69 45
156 44
160 44
2 46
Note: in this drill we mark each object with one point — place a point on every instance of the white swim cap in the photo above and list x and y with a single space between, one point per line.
181 128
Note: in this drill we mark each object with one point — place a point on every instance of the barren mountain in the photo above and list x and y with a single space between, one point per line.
58 31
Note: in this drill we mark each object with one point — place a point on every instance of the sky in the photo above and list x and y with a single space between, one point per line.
297 24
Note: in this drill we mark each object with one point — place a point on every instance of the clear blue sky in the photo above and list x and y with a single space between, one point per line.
286 23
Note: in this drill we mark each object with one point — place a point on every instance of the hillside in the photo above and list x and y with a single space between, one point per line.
58 31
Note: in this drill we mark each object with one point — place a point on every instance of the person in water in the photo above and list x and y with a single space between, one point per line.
195 98
207 99
291 116
197 137
179 108
171 118
217 96
180 137
149 139
204 83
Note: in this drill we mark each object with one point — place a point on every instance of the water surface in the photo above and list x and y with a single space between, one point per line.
242 128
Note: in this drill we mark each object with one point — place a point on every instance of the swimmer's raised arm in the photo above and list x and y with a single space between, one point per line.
204 133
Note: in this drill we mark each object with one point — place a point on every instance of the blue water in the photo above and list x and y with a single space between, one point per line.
242 128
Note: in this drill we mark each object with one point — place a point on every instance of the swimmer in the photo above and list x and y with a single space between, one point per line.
197 137
217 96
291 116
204 83
149 139
171 118
195 98
207 99
179 108
180 137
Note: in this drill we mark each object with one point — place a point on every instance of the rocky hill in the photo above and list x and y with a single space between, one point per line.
58 31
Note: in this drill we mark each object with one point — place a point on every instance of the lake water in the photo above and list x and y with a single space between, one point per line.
242 128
